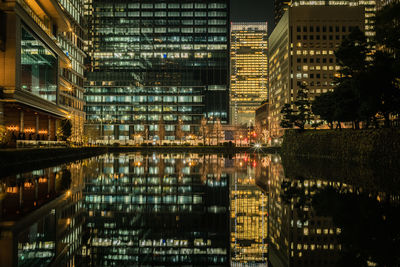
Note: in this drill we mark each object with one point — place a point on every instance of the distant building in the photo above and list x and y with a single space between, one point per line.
370 7
280 7
302 49
249 70
261 122
32 67
156 69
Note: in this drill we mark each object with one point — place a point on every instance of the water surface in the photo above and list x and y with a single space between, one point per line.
197 210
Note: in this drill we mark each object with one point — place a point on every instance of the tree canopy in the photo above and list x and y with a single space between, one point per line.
367 85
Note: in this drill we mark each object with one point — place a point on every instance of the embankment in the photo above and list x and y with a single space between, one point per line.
21 160
375 146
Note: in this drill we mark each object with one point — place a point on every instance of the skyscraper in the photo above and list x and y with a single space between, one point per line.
249 70
302 49
155 69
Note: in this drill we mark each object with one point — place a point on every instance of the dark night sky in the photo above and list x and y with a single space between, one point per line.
253 10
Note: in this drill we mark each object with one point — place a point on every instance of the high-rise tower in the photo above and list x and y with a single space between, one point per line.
249 70
155 69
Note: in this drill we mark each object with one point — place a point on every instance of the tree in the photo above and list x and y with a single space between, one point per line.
387 24
217 129
300 115
204 129
179 131
65 130
352 57
347 103
92 133
368 82
5 136
324 107
288 116
161 129
387 90
352 53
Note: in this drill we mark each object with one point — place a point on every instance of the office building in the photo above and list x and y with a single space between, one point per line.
302 49
71 80
30 63
156 69
280 7
370 8
249 70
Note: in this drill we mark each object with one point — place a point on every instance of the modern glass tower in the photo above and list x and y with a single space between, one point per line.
249 70
156 68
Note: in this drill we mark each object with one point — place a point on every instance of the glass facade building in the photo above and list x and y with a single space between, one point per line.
249 70
156 65
38 72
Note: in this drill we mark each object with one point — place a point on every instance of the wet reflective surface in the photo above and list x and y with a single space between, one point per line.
199 210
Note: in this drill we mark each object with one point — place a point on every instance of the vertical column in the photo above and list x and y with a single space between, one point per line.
21 121
2 122
21 197
56 126
116 132
37 125
49 129
36 190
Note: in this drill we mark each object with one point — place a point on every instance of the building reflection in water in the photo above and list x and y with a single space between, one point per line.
248 201
323 214
197 210
297 236
41 216
157 210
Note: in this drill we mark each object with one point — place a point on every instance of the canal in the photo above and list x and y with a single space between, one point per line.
153 209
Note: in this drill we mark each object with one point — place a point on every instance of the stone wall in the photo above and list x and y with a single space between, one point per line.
369 146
